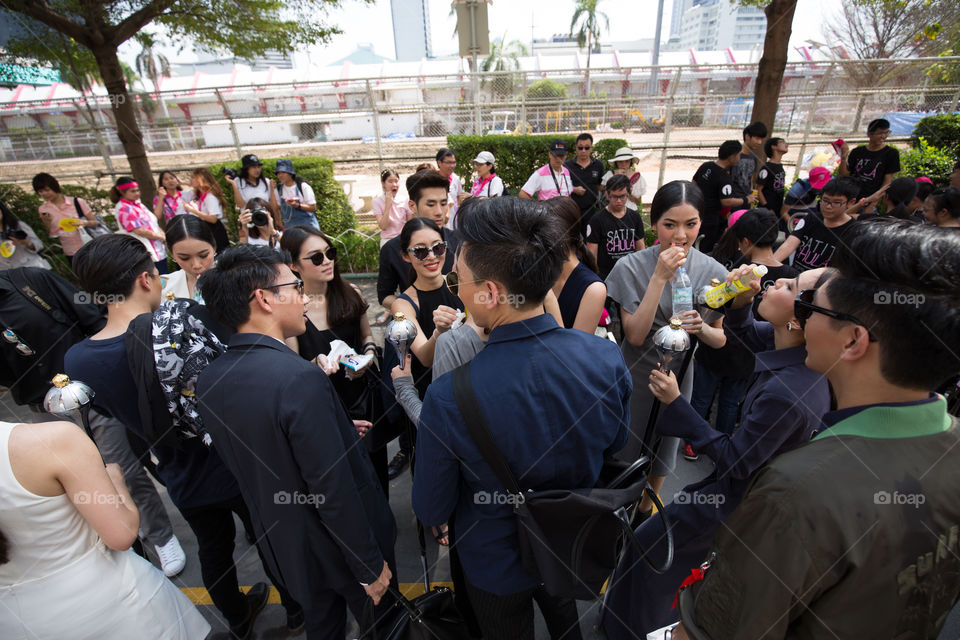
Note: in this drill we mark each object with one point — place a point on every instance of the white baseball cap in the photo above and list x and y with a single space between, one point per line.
484 157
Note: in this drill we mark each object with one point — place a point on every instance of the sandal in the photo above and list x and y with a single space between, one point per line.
441 535
384 317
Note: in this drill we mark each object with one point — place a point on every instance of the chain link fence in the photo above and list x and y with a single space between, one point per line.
671 109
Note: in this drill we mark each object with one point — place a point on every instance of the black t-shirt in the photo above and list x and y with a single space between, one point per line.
716 184
614 237
869 167
817 242
589 178
771 181
773 274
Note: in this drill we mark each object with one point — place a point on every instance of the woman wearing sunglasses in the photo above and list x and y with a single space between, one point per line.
782 410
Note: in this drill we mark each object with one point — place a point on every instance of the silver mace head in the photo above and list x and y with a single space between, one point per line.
671 342
401 333
70 399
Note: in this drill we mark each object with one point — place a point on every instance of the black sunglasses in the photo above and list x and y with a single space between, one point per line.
803 308
421 253
317 258
296 283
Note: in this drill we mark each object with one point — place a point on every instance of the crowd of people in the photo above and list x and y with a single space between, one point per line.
249 383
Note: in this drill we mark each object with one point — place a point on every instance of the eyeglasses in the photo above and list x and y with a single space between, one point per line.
330 254
832 203
450 163
296 283
584 148
13 338
437 249
803 308
453 282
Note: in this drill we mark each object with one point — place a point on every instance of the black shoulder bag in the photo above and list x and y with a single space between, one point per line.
571 538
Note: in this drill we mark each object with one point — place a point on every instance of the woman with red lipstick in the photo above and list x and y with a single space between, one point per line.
641 284
137 220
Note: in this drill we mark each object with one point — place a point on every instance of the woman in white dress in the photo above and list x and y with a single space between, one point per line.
66 526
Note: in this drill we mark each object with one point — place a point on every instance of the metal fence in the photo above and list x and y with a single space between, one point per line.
670 105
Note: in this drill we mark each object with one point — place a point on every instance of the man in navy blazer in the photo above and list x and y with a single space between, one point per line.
324 525
556 401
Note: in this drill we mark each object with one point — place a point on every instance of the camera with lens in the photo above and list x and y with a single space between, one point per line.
227 171
259 216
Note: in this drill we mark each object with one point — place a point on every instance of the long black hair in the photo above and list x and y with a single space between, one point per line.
406 234
187 226
10 221
674 194
344 304
569 214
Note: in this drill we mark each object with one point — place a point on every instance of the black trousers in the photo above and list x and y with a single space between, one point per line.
510 617
214 527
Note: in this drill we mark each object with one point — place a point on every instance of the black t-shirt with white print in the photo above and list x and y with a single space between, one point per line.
817 242
771 181
869 167
614 237
716 184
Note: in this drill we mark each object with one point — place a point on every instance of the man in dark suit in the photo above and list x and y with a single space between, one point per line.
325 527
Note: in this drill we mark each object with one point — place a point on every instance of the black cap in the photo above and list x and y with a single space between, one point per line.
558 147
250 160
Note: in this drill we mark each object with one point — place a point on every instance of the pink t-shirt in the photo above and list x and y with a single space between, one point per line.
547 183
51 215
398 216
133 215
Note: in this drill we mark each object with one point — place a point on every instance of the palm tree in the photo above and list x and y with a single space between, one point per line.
504 56
586 23
152 65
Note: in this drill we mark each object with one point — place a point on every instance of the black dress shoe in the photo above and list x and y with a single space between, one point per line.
256 599
397 465
295 621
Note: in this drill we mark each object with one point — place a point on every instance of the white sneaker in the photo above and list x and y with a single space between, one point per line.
172 557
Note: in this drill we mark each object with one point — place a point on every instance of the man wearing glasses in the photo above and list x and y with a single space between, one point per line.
446 164
586 173
814 241
854 535
279 425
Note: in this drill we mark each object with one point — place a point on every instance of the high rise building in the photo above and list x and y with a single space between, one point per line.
676 16
709 25
411 29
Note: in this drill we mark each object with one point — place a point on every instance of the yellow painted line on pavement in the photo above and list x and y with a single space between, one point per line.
199 596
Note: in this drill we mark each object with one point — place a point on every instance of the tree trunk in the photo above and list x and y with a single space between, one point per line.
773 61
124 112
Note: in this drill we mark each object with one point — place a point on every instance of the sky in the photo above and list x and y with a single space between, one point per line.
513 19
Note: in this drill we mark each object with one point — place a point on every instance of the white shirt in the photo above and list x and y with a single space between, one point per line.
210 205
248 191
453 197
306 193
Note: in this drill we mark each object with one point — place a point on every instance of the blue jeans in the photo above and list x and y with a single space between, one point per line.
706 383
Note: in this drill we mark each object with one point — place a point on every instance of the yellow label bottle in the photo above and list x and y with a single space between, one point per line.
724 293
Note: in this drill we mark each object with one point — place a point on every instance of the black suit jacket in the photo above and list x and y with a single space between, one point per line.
316 504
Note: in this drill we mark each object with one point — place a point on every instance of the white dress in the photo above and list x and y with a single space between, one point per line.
63 582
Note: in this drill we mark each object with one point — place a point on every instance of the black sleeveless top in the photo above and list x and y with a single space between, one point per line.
313 342
571 294
429 302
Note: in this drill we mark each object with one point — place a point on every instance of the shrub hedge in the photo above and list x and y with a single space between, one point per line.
333 208
926 160
519 156
939 131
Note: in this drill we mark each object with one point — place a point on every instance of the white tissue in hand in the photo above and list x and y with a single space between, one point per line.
461 316
343 353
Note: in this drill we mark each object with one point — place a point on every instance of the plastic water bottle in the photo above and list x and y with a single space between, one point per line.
724 293
682 292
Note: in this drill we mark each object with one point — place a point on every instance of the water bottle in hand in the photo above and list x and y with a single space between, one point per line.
682 292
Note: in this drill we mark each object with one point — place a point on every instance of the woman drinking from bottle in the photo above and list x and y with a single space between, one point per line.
641 284
782 410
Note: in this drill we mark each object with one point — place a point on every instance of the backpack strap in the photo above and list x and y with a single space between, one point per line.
76 205
479 431
19 280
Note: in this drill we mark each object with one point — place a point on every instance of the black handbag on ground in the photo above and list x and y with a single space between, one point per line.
571 538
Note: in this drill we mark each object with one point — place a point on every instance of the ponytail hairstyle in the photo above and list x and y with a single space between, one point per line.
387 173
674 194
115 194
569 215
344 304
215 190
